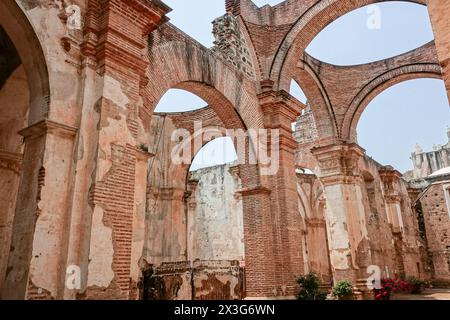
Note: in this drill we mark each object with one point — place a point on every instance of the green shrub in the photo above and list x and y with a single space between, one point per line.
343 290
417 286
310 288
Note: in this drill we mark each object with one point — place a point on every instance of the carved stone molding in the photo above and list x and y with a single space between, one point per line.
48 127
339 162
390 177
254 191
10 161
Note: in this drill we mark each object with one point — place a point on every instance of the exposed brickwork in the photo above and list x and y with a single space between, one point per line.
115 195
436 210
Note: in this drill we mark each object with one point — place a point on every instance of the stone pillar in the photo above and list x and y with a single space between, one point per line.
439 11
115 34
10 166
190 204
38 256
260 267
280 111
345 215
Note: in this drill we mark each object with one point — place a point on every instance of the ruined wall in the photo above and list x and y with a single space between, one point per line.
436 211
379 224
392 223
215 216
194 237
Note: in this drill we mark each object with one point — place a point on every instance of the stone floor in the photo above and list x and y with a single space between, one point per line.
431 294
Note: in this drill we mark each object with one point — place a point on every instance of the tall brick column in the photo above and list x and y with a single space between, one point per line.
115 34
37 257
260 268
280 111
348 237
439 13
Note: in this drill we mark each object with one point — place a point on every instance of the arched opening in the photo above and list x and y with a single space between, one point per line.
410 113
24 100
178 100
193 245
312 206
297 92
218 152
372 33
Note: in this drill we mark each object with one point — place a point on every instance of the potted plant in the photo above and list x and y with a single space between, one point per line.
310 288
416 285
343 290
387 287
390 286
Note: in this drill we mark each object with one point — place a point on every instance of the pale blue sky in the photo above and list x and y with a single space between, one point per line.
414 111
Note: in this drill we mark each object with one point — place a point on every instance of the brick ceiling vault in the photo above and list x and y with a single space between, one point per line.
337 95
181 62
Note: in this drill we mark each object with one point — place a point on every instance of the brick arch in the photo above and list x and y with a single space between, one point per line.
21 32
306 28
185 64
212 124
380 84
318 99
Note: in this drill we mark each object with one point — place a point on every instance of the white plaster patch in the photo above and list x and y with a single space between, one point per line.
339 259
215 226
337 217
113 91
361 212
100 272
116 131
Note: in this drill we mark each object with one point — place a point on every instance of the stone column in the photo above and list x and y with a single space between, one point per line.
10 166
280 111
345 215
38 257
439 11
190 205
